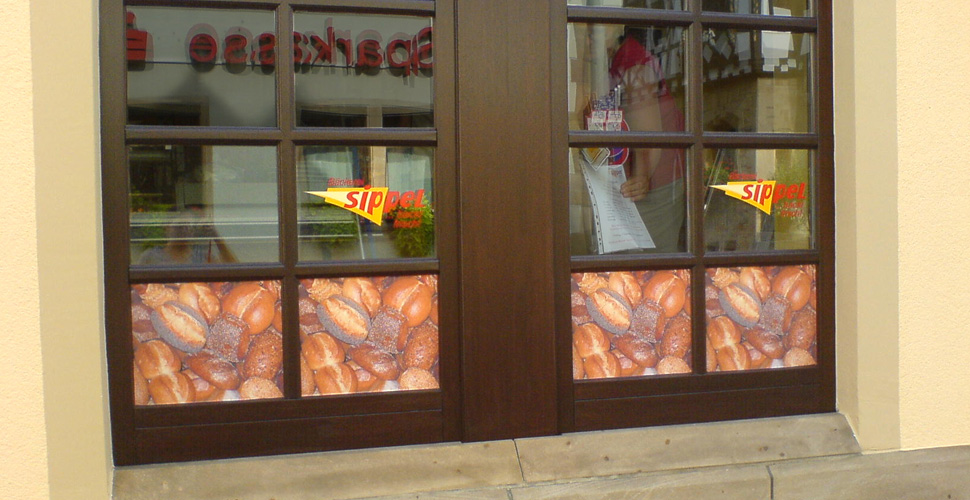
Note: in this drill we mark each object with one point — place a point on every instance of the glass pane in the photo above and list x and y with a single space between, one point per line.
204 342
367 202
201 67
627 200
640 4
798 8
363 71
369 334
626 78
759 199
757 81
761 317
203 204
631 324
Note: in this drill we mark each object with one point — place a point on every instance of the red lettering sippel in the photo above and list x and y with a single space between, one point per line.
407 199
352 197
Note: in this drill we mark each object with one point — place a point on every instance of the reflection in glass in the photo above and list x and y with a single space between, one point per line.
798 8
206 342
761 317
363 70
639 4
759 200
626 78
631 324
652 179
757 81
203 204
192 67
369 334
367 202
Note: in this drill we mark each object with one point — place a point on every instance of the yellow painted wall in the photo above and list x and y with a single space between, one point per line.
934 222
866 219
66 121
901 374
23 453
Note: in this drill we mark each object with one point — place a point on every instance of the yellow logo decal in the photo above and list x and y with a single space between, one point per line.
758 193
366 202
371 203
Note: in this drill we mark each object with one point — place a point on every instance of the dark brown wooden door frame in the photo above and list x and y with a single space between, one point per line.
501 140
512 261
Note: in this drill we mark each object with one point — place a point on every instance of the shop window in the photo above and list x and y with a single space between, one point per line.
699 191
343 224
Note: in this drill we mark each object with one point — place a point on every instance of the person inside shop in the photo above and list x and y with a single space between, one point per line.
192 240
655 177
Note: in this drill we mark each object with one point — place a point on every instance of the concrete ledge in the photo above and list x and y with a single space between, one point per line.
939 473
631 463
750 482
631 451
337 475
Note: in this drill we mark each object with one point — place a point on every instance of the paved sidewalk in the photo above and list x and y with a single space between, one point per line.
804 457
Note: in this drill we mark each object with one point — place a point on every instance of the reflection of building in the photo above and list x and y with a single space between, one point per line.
213 69
897 122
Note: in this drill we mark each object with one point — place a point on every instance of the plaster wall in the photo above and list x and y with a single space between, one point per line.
903 357
24 449
866 218
66 157
934 232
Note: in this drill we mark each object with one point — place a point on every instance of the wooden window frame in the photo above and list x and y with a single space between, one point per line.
502 253
294 424
615 403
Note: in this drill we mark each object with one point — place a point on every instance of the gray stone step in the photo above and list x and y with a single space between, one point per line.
749 459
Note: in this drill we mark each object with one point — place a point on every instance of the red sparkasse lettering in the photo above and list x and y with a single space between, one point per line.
324 48
301 50
236 49
266 51
409 55
136 40
369 54
345 46
203 48
424 50
392 48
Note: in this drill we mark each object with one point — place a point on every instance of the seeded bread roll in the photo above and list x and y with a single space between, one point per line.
259 388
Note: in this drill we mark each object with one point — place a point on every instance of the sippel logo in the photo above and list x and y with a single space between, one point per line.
762 193
369 202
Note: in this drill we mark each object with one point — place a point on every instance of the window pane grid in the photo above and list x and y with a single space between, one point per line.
697 140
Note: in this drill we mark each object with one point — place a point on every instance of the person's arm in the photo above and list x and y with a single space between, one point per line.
642 113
